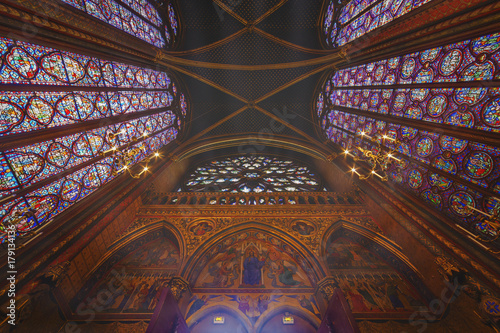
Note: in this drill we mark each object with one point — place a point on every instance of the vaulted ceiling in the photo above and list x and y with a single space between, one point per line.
251 68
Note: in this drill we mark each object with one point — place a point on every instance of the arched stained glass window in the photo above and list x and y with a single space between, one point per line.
255 174
51 174
445 85
139 18
358 17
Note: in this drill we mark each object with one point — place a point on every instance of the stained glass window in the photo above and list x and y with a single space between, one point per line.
255 174
358 17
52 174
139 18
448 172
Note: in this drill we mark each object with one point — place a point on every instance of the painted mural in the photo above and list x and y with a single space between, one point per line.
160 253
134 284
253 272
253 305
383 292
252 263
369 284
345 254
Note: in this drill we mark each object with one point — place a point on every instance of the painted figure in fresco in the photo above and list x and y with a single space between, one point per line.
197 304
281 269
393 294
263 302
252 269
224 271
143 299
306 303
129 290
201 228
340 256
221 272
357 301
303 228
157 253
248 306
243 303
381 295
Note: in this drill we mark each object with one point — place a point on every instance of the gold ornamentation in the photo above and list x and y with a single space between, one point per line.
326 287
57 272
178 286
379 157
446 267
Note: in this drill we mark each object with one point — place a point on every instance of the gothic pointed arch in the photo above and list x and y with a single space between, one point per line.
130 276
256 232
253 268
372 272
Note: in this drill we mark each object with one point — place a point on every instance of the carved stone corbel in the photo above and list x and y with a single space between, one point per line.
326 287
178 286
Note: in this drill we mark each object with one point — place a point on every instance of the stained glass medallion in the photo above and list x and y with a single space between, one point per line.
459 202
478 164
415 179
439 181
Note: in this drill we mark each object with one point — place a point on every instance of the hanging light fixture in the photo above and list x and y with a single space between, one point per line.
125 157
379 159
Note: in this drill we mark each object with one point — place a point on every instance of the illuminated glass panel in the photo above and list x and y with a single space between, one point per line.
146 10
55 174
246 174
114 13
469 160
41 160
359 17
30 111
444 171
27 63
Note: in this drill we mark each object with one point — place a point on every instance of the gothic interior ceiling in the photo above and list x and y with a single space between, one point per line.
250 211
251 67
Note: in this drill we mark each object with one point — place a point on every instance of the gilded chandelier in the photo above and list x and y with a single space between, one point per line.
125 157
378 158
